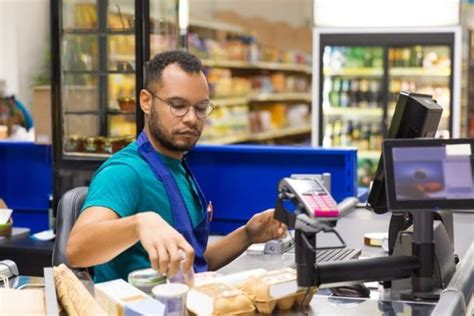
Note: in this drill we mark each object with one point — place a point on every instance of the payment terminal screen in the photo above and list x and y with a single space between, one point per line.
434 173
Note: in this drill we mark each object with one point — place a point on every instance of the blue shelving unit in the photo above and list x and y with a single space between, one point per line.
26 182
242 180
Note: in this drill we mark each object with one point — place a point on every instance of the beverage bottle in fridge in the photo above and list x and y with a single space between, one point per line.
334 94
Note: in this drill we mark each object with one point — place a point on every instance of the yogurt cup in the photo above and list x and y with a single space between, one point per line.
173 296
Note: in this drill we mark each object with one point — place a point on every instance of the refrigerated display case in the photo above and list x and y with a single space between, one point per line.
360 74
98 51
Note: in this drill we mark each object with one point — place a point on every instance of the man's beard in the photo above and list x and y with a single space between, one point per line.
164 137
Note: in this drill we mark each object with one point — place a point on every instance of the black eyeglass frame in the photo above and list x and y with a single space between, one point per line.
173 108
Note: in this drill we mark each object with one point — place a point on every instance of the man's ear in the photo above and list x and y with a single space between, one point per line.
146 101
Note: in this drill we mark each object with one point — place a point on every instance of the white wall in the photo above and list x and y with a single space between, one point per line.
294 12
24 40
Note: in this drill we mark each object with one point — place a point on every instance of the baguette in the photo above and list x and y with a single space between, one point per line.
74 297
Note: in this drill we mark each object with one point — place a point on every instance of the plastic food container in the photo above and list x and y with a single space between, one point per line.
219 299
276 289
146 279
173 296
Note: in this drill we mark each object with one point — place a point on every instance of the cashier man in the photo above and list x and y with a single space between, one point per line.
144 207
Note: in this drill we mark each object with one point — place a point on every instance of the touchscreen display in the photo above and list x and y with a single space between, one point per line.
433 173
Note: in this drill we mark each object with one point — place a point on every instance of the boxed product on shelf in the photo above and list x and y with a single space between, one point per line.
298 115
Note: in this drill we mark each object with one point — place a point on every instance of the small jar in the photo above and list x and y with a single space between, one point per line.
107 147
74 143
117 143
90 146
99 144
146 279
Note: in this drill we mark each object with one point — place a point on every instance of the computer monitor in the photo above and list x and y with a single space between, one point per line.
429 174
415 115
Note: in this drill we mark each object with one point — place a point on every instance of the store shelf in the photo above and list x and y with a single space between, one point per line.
419 71
119 112
259 65
216 25
97 32
96 72
278 97
278 133
359 72
365 112
84 112
263 97
221 102
368 154
122 57
86 155
227 140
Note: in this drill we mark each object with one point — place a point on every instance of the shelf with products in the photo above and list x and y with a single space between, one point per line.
369 154
420 71
238 64
277 133
263 97
356 113
354 72
258 137
99 32
258 91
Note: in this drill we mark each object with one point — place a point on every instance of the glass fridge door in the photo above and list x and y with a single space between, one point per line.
352 102
163 26
422 69
97 43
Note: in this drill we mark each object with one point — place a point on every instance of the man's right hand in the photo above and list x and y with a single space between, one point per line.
163 242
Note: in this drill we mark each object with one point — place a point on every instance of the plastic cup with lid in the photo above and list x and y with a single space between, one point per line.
173 296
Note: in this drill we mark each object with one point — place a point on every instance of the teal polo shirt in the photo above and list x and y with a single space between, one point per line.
126 184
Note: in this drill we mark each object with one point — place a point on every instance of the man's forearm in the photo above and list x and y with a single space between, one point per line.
99 242
227 249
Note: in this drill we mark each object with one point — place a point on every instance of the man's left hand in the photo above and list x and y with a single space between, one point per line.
262 227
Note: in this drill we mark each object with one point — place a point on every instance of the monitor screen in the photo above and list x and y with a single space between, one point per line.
415 115
429 173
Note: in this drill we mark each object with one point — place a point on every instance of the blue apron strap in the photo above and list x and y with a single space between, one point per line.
196 237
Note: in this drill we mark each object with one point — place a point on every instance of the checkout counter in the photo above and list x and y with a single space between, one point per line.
352 229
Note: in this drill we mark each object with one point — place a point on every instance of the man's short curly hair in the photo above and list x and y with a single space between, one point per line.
155 66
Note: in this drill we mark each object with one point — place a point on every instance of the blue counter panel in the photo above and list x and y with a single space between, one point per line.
242 180
26 182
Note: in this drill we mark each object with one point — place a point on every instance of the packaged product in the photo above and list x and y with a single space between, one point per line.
218 299
276 289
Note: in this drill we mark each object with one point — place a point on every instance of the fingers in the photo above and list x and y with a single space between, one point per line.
163 259
175 259
189 255
153 256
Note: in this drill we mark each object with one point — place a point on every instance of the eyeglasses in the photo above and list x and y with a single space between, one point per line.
180 107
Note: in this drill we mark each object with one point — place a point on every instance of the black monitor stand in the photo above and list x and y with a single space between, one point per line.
424 249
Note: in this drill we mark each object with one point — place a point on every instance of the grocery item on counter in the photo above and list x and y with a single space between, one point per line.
183 277
119 298
146 279
218 299
276 289
173 296
74 297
